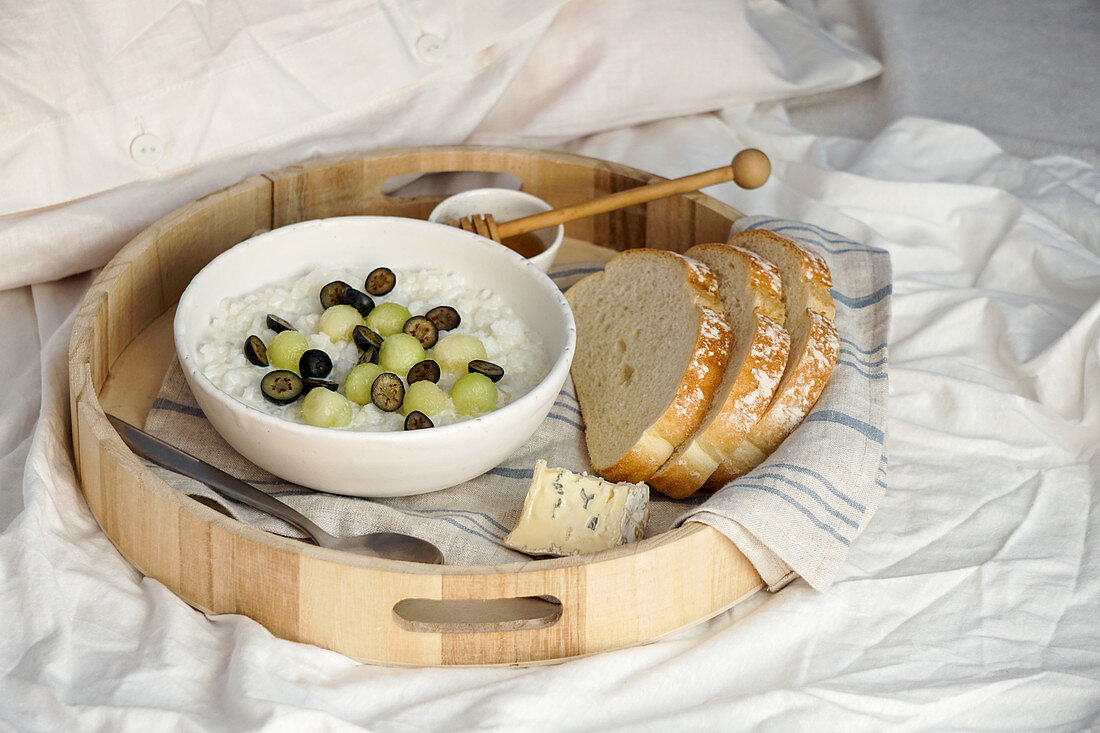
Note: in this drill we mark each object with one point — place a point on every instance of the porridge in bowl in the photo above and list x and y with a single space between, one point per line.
529 333
381 350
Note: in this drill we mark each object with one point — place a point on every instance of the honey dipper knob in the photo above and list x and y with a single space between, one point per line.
751 168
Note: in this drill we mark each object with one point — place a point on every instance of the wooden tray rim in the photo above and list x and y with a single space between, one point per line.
89 419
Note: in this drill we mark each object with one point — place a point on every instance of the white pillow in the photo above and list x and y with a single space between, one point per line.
225 90
613 63
97 95
112 115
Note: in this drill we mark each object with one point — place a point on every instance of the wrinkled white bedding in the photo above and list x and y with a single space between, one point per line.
970 602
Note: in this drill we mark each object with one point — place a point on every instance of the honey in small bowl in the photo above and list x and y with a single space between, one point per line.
527 244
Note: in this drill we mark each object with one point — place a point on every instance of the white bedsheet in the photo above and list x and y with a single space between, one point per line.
970 602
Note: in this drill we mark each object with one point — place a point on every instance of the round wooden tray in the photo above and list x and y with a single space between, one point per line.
369 609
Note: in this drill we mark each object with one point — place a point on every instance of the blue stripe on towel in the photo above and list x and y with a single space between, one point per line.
417 512
162 404
561 274
795 503
824 482
567 406
860 349
565 393
863 361
856 367
477 531
284 492
863 301
521 473
780 225
811 493
473 514
840 418
566 420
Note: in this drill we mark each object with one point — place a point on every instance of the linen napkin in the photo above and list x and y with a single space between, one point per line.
795 515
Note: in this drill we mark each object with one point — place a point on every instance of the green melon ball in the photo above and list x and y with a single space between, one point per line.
388 318
473 394
399 352
358 382
425 396
455 350
326 409
286 349
338 322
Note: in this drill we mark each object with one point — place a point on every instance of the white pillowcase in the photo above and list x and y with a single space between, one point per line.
96 95
113 115
613 63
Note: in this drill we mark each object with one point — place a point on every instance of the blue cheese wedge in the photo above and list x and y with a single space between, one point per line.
569 514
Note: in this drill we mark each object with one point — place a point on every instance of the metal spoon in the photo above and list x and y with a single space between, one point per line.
391 545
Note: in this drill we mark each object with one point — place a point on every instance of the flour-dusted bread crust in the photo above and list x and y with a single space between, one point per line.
793 400
652 345
751 293
812 356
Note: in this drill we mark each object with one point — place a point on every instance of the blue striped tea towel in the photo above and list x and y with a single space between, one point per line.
796 514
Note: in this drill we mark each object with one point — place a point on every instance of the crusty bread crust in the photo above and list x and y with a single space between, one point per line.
814 350
746 402
811 290
701 375
796 395
757 362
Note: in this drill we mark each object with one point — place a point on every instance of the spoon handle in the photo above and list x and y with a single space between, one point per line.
157 451
749 169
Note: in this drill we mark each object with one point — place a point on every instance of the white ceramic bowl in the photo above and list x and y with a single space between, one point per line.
504 204
395 463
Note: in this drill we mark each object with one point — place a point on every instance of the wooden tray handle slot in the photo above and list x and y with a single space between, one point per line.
461 616
441 184
382 180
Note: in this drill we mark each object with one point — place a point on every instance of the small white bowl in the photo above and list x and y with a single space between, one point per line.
394 463
505 204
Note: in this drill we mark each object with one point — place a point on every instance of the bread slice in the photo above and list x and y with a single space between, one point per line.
652 344
813 352
751 293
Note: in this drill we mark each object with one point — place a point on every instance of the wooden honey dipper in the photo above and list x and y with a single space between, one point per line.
749 169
